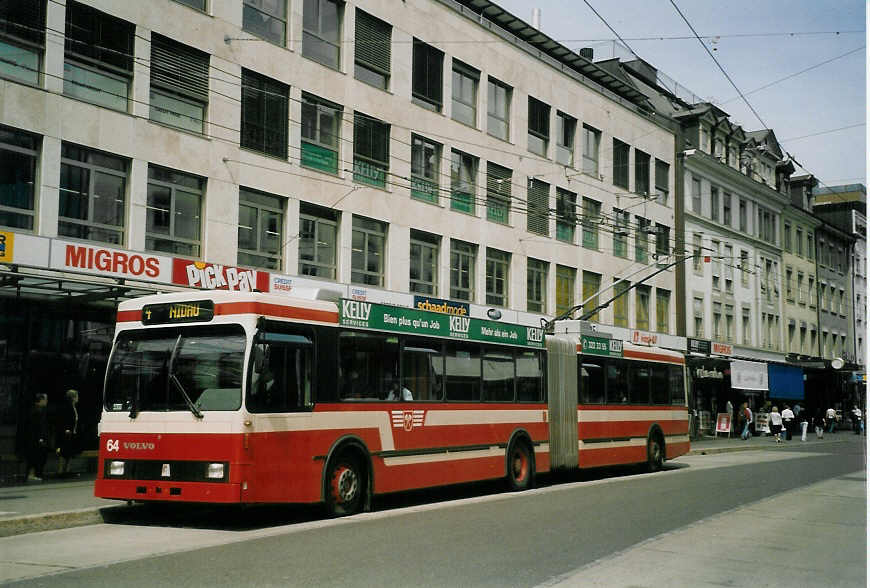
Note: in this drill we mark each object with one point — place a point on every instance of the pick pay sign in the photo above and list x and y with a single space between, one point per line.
212 276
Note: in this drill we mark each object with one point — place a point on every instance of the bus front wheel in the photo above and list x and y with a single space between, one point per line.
655 453
345 485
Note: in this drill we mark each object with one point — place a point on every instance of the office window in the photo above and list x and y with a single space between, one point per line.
620 304
198 4
786 237
368 241
321 31
729 268
318 241
498 193
744 268
729 323
641 172
591 286
497 276
371 150
463 181
565 277
372 50
539 126
266 19
799 242
465 79
811 291
662 182
714 204
424 263
173 217
536 285
811 249
641 239
93 188
566 215
697 255
800 288
179 84
663 310
726 209
743 216
498 109
591 220
620 164
425 169
789 290
538 214
747 327
19 153
264 114
696 195
705 140
717 321
462 263
427 66
591 142
663 241
641 307
565 129
22 39
621 220
261 229
98 57
698 314
321 131
716 269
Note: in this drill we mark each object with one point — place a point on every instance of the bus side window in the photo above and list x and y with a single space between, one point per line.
462 372
498 376
530 376
422 368
639 383
617 381
678 393
281 373
591 381
660 388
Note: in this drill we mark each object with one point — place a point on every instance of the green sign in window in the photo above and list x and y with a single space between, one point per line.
424 190
366 172
462 201
318 157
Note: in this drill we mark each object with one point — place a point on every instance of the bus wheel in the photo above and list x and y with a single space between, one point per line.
345 485
521 466
655 453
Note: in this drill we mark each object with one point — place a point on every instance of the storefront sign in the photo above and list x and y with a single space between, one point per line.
723 422
356 313
762 422
698 346
644 338
601 346
104 261
748 375
722 349
702 373
7 247
442 306
211 276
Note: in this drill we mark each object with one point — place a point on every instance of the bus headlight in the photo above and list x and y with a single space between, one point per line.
215 471
116 468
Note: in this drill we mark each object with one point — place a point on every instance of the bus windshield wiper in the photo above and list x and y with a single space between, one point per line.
134 401
174 379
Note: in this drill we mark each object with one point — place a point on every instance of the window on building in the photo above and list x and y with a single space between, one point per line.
705 140
371 150
729 323
462 264
714 204
620 163
621 220
498 193
318 241
717 321
743 216
498 109
261 229
566 215
266 19
591 286
566 126
789 290
663 241
800 289
538 214
173 220
729 268
427 69
663 310
321 31
465 80
698 314
539 126
697 255
198 4
662 182
463 181
497 276
591 142
823 292
536 285
591 220
811 250
368 243
565 278
264 114
786 237
620 303
811 291
744 268
425 168
93 188
696 196
726 209
798 242
641 307
179 84
641 172
747 327
641 239
19 153
716 265
98 57
321 131
372 50
22 39
424 252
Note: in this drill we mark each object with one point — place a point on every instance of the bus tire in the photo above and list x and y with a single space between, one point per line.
655 452
346 485
520 466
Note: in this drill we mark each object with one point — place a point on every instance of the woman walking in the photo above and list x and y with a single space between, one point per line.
776 424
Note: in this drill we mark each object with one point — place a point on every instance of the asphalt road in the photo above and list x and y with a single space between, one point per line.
473 537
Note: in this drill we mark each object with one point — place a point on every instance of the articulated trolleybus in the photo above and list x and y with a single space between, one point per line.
226 397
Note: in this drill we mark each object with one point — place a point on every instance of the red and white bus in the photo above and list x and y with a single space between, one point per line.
255 398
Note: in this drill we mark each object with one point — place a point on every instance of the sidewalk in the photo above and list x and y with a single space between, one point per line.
61 503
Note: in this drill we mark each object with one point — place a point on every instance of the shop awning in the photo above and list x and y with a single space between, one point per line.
748 375
786 382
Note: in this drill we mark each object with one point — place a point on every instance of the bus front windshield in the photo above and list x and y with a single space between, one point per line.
195 369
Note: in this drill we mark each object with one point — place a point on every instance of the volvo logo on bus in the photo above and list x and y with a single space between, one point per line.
356 310
459 324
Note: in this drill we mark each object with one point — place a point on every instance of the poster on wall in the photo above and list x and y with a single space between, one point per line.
748 375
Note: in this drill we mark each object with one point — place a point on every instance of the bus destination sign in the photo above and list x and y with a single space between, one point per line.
368 315
197 311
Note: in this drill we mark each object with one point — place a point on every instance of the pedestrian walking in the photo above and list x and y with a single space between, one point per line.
66 432
775 420
787 422
746 416
830 420
856 419
37 438
804 426
729 408
819 424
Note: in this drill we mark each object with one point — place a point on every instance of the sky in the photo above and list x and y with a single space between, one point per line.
753 42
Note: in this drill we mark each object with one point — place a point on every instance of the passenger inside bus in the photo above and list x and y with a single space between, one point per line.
391 384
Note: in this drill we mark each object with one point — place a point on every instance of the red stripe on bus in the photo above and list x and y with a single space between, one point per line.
264 308
652 356
126 316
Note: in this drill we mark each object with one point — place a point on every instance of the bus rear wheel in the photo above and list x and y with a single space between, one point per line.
521 466
655 453
345 485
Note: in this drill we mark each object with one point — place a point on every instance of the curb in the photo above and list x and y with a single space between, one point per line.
51 521
756 447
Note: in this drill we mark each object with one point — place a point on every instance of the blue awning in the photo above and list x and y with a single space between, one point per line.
785 382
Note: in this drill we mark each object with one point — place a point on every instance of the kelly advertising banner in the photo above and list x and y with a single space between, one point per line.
397 319
212 276
601 346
